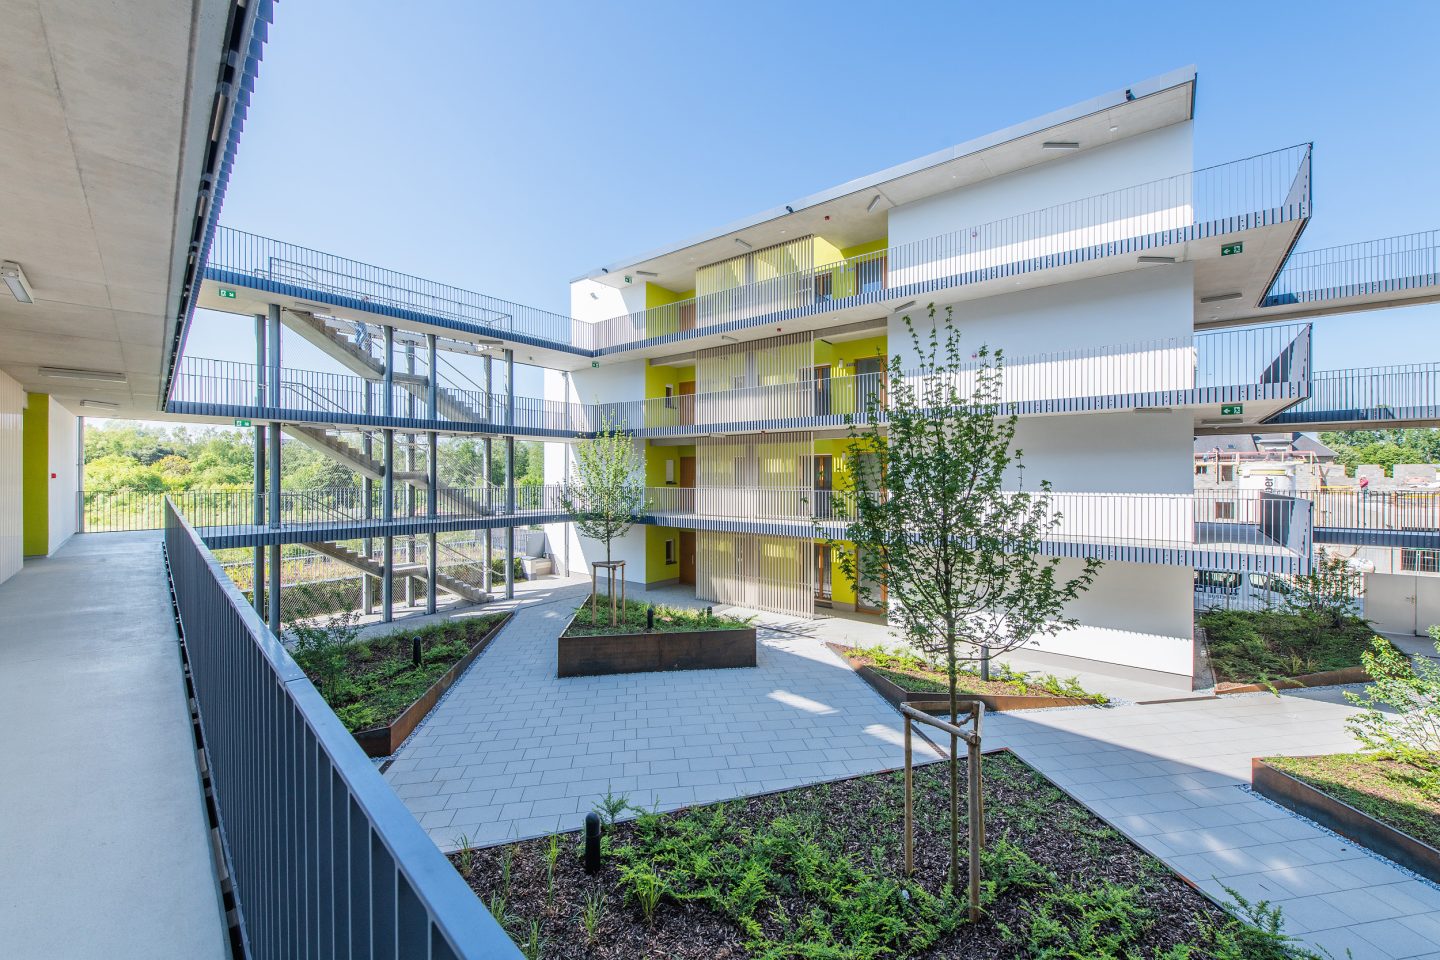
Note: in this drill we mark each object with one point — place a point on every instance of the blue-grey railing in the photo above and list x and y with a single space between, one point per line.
1371 395
325 859
1262 190
1388 266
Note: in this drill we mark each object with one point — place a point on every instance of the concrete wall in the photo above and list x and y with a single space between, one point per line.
12 521
64 473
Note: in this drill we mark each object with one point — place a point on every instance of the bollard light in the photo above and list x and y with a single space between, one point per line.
592 842
416 657
650 617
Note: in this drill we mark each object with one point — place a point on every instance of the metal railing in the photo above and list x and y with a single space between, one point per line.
1372 395
1269 188
325 859
1375 509
1355 269
1159 371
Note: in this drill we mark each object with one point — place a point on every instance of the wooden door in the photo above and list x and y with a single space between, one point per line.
687 482
687 556
822 574
824 465
686 390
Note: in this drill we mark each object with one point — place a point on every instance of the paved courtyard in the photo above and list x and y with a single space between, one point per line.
514 752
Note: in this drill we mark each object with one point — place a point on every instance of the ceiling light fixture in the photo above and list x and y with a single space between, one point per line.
15 279
904 306
594 295
100 404
1221 297
75 373
874 202
1060 145
646 273
1154 259
726 336
744 244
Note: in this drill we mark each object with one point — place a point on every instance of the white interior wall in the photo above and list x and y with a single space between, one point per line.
12 521
64 473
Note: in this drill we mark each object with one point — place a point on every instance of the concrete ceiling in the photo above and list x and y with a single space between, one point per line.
105 123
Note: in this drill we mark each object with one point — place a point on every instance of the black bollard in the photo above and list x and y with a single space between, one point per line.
650 617
416 657
592 842
709 613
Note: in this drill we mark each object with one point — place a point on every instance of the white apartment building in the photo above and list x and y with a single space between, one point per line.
1084 244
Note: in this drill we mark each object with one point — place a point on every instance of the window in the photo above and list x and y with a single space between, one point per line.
1420 561
1224 509
669 552
669 397
1201 469
1227 472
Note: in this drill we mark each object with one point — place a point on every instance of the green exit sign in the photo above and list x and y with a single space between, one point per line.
242 423
1232 409
227 294
1230 249
594 363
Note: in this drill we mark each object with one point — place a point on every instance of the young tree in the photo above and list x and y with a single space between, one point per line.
606 487
1328 592
942 545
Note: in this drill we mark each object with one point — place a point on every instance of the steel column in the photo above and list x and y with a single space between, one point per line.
387 508
432 565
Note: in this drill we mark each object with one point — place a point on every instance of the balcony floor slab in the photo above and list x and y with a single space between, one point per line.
104 846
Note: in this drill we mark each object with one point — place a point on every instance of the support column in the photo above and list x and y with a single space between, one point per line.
488 447
432 564
409 470
262 399
510 510
565 469
272 327
367 487
79 474
387 512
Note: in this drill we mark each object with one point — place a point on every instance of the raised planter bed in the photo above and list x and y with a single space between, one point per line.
1325 678
384 741
932 702
645 652
1341 817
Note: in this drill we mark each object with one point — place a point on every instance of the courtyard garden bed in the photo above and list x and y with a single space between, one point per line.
374 686
1383 803
678 639
902 677
1254 650
816 872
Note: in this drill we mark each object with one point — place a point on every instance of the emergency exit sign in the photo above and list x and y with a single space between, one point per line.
242 423
1230 249
227 294
1232 409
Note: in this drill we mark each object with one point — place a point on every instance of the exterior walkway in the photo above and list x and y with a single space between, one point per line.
104 848
1172 777
514 752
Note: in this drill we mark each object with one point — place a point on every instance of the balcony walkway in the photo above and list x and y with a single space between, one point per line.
104 848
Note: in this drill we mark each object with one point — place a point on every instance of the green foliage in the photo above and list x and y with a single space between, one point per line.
914 672
1401 793
1327 592
1384 447
462 463
955 553
1259 646
1256 934
591 915
322 650
606 490
1410 688
465 856
611 807
631 618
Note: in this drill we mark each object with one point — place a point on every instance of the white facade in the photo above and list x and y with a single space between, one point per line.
12 520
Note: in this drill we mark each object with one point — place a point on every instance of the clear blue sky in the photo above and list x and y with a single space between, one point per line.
507 147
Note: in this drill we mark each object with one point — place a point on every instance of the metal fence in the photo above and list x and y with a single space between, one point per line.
1374 396
1264 189
325 859
1389 265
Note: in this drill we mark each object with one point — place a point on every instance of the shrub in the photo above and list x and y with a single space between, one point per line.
1412 689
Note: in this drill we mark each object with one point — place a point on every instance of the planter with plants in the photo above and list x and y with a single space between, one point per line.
648 638
903 677
382 687
818 871
1388 797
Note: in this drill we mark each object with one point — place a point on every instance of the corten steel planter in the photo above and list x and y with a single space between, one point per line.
1323 679
384 741
1339 816
932 702
655 651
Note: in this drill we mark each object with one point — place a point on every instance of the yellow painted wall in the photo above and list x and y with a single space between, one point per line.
657 378
656 457
658 296
841 589
35 474
863 248
656 569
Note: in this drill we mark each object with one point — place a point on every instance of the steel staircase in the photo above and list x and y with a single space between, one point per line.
418 571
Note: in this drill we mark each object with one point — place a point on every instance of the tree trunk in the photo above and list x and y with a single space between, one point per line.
952 669
984 662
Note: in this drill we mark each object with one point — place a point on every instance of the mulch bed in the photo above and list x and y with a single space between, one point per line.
1032 829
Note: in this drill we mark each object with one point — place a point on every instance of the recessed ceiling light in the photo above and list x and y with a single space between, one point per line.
75 373
1060 145
1221 297
99 404
646 273
1155 259
874 202
904 306
1114 127
594 295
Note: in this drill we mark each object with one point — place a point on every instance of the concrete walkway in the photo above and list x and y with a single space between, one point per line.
1171 776
104 849
514 752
